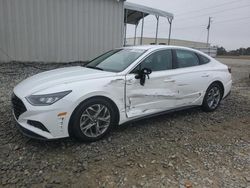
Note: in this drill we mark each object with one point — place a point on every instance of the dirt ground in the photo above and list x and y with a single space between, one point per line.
190 148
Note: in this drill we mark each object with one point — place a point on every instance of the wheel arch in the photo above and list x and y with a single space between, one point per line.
220 84
114 105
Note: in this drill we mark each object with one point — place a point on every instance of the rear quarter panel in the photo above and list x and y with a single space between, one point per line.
219 72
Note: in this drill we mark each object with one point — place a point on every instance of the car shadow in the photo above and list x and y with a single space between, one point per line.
148 122
138 124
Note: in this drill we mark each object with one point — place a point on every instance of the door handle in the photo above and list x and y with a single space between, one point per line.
169 80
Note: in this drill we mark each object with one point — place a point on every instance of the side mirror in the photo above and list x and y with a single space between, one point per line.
142 75
146 71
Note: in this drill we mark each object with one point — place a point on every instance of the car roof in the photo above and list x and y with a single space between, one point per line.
155 47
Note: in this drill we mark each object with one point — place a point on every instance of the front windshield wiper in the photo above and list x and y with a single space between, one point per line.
92 67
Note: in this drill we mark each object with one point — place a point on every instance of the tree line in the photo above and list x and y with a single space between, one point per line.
241 51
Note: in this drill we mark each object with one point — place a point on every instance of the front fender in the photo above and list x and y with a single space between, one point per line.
112 88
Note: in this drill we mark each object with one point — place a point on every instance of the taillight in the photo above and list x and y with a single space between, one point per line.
229 70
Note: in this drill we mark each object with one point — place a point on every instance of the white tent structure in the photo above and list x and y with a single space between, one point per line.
133 13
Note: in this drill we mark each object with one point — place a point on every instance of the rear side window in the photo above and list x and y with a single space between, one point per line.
203 59
186 58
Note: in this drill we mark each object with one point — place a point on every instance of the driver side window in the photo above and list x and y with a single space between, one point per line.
158 61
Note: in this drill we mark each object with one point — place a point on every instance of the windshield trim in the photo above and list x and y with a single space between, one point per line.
99 56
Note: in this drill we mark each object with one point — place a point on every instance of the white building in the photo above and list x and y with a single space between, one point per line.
59 30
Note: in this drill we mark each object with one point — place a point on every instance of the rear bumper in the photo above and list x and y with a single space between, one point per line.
227 89
227 94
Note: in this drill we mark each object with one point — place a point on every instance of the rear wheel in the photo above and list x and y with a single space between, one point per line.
92 119
212 97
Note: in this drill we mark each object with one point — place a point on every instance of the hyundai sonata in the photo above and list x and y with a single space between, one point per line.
121 85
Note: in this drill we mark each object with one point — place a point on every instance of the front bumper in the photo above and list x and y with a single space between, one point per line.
29 133
51 125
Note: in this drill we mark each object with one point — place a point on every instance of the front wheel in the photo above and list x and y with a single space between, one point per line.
212 97
92 120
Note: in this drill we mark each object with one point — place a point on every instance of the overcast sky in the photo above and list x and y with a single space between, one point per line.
230 27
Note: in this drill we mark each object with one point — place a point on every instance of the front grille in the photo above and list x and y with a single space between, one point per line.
18 106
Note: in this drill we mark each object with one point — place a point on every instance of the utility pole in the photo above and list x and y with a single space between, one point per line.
208 30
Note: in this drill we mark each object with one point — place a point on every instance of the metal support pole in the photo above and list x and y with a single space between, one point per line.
135 34
125 31
157 25
125 26
170 29
142 25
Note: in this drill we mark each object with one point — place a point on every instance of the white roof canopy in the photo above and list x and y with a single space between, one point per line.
133 13
136 12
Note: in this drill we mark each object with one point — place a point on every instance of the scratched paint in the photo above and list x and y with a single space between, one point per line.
154 96
116 82
163 91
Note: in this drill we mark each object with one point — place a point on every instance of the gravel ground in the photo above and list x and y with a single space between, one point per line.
190 148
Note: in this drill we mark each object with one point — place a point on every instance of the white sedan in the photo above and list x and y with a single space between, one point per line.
121 85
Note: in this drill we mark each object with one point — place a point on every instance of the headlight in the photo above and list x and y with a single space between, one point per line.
47 99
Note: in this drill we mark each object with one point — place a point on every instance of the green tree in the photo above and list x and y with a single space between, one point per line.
221 51
248 51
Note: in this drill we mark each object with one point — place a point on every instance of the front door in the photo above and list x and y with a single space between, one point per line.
159 91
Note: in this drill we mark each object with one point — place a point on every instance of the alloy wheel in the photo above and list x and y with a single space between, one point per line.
214 97
95 120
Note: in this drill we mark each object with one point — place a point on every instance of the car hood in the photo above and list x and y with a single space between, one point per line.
55 77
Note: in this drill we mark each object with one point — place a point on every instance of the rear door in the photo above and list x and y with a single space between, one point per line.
192 77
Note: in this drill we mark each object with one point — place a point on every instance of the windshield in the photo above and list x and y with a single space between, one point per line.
115 60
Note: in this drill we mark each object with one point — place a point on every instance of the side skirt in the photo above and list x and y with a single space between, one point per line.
160 113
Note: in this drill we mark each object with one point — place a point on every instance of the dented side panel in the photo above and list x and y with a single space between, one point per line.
191 84
158 94
166 90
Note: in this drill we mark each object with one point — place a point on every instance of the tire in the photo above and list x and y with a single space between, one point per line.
93 128
212 97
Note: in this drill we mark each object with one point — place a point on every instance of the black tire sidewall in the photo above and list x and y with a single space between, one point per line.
205 105
74 125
